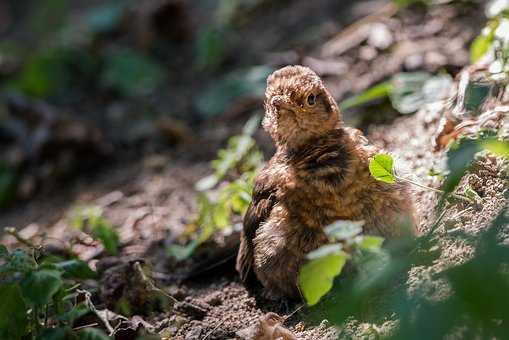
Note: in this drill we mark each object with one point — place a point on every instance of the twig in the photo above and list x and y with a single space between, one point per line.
151 285
408 180
96 312
330 47
436 223
85 326
213 330
292 313
13 232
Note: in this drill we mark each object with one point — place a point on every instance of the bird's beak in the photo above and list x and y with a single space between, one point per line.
281 102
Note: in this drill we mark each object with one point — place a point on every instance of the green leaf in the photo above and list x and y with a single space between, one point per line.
45 74
13 316
476 94
76 269
108 236
206 183
481 45
381 168
4 252
371 243
182 252
378 91
459 158
323 251
316 277
499 148
76 312
412 90
39 286
131 73
92 334
91 218
20 261
60 333
344 229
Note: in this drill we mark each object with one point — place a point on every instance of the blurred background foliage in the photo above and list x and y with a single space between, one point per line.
85 82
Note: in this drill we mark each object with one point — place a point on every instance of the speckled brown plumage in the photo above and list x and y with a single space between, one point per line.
319 174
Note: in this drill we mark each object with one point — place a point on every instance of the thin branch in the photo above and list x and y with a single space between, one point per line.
151 284
91 305
85 326
213 330
458 196
13 232
295 311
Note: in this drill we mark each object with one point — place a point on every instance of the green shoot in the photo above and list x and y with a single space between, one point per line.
316 277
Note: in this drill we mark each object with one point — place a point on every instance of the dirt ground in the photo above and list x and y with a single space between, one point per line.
151 200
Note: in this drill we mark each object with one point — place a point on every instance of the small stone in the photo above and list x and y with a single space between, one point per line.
380 36
195 333
414 61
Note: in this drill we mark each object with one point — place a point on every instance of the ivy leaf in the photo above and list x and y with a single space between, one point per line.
76 269
328 249
76 312
371 243
19 261
108 236
381 168
481 45
497 147
379 91
344 229
316 277
13 317
39 286
412 90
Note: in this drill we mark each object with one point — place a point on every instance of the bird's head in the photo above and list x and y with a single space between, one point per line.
298 107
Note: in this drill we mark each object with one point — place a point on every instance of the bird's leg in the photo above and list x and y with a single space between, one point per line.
280 302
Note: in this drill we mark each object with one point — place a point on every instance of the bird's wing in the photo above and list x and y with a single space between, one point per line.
264 199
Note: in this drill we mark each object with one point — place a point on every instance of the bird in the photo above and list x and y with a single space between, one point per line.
318 174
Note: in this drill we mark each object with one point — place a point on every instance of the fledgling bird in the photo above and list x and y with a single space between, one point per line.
319 174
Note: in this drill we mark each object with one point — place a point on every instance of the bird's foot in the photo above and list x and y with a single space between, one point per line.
281 303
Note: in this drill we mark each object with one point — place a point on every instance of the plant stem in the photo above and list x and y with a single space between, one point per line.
459 196
403 179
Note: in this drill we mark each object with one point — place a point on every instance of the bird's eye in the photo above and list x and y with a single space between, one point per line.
311 100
